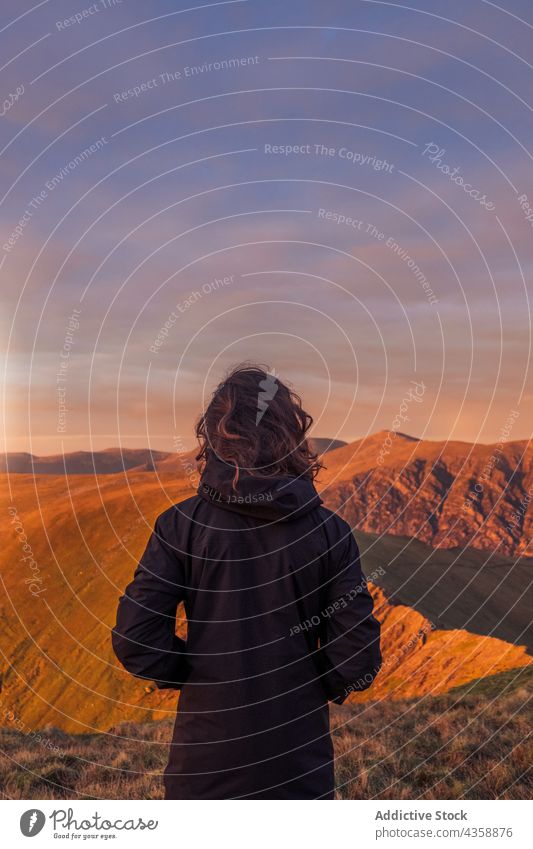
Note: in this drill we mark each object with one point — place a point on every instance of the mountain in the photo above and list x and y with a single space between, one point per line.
446 494
106 462
110 461
71 544
323 445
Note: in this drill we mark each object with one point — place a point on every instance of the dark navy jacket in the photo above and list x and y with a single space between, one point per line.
279 623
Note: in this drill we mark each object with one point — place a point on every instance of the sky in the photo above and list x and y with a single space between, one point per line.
341 191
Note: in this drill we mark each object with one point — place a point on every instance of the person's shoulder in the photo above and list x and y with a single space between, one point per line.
177 513
341 542
338 526
333 518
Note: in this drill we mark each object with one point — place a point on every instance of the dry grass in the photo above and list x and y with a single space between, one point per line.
471 743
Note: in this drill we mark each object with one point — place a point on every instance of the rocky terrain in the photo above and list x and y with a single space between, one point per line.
446 494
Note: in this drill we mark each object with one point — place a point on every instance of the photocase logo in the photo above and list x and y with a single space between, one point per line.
32 822
269 387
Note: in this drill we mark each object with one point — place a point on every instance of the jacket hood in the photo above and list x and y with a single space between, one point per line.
272 499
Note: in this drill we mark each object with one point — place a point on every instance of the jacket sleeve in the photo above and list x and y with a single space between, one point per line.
144 638
349 654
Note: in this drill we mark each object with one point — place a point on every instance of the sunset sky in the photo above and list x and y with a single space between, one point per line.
174 179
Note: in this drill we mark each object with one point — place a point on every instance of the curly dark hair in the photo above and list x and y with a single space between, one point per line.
256 423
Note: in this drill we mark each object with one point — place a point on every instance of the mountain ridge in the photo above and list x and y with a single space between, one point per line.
114 460
438 492
447 494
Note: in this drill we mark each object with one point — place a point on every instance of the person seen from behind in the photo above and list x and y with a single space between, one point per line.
280 619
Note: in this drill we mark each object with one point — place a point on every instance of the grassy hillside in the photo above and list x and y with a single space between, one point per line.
472 743
86 534
481 592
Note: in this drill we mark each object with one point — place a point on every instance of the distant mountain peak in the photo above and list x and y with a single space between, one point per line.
394 433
